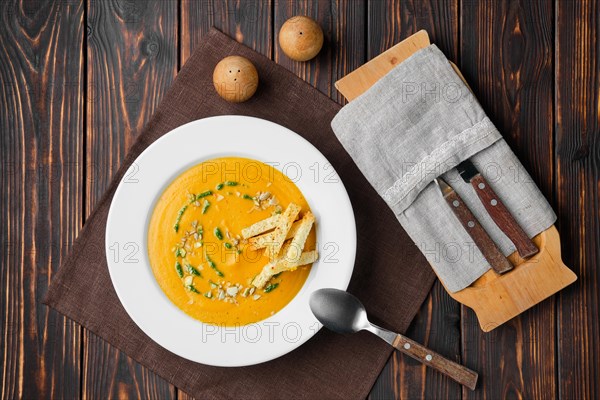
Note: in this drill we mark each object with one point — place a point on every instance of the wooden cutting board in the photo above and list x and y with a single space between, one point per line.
494 298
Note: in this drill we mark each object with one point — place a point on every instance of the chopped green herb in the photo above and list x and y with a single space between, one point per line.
212 284
214 266
208 295
277 211
248 197
218 233
205 206
270 287
227 245
276 275
192 271
219 186
179 252
179 269
203 194
231 183
178 219
192 289
210 262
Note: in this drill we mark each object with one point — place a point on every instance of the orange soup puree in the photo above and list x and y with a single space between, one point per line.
195 247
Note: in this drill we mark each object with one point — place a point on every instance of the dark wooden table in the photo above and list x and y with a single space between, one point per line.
80 79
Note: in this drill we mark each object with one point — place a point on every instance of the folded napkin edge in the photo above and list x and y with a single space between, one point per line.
443 158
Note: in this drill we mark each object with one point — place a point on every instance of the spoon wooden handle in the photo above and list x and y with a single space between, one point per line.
459 373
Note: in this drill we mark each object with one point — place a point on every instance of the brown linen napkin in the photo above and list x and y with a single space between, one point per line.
391 276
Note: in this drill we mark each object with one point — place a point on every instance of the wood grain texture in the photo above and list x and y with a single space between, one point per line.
506 57
131 61
437 325
354 84
496 299
343 24
390 21
41 147
109 374
577 155
248 21
62 140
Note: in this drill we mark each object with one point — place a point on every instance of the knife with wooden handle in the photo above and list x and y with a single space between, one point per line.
497 210
484 242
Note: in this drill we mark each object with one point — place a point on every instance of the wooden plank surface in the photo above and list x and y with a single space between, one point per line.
41 120
131 62
506 57
248 21
343 23
534 65
577 157
437 325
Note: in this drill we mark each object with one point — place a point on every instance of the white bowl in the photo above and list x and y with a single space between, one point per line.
132 206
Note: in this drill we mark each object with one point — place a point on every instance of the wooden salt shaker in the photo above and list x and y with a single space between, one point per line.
235 79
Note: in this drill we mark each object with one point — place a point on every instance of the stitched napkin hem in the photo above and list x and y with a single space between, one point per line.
442 159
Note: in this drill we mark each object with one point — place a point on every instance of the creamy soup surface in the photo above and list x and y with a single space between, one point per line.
195 247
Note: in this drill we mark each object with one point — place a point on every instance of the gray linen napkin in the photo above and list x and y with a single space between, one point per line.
417 123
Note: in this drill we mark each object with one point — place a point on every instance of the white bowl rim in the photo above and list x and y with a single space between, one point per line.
135 203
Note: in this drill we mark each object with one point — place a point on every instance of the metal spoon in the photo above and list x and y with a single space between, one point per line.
343 313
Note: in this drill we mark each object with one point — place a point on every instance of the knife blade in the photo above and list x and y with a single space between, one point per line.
482 240
497 210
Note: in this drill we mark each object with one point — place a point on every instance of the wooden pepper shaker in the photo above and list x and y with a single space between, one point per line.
235 79
301 38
